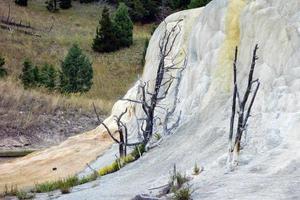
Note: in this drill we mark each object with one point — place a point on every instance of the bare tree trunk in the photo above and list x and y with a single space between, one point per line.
234 148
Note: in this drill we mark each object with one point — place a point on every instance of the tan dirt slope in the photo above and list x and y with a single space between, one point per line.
70 157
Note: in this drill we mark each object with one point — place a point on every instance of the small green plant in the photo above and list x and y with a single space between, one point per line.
121 162
196 169
157 136
89 178
62 184
138 151
65 189
24 195
109 169
178 180
10 191
183 194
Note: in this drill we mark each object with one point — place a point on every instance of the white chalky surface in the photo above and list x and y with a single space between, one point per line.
270 162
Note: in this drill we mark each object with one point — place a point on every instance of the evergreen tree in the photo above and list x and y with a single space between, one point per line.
179 4
106 34
65 4
36 76
124 25
48 76
137 10
21 2
151 8
198 3
76 72
142 10
28 75
3 71
52 5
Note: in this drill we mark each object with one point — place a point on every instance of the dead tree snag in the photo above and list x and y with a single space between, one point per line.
244 108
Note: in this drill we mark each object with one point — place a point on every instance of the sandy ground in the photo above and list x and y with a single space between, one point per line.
70 157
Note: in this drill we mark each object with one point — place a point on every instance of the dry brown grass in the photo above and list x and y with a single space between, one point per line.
113 72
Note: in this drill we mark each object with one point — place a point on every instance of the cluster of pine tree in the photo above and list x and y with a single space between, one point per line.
52 5
33 76
143 10
111 35
75 75
198 3
21 2
3 71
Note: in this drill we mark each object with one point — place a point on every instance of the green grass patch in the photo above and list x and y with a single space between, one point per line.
119 163
183 194
64 185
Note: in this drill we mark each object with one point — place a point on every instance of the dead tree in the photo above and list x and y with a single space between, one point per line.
167 126
122 130
244 108
8 22
149 100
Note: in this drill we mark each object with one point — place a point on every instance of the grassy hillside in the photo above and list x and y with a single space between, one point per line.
113 72
28 112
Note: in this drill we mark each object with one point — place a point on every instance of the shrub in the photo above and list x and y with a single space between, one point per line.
157 136
30 74
65 4
106 34
3 71
86 1
21 2
76 72
48 76
196 169
179 4
198 3
52 5
183 194
124 26
24 195
142 10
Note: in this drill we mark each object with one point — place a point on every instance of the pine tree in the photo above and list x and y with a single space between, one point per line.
21 2
65 4
48 76
106 34
124 25
52 5
28 76
3 71
137 10
151 8
198 3
76 72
